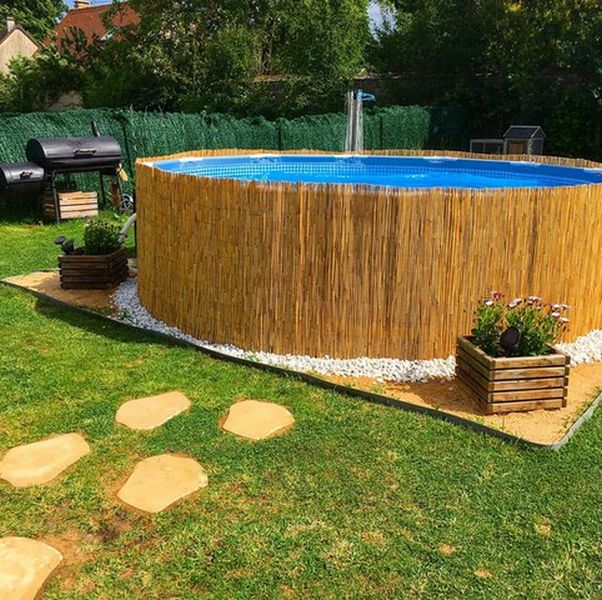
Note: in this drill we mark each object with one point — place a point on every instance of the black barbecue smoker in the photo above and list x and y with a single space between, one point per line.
49 157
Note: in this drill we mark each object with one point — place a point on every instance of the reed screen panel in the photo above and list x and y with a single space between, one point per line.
351 271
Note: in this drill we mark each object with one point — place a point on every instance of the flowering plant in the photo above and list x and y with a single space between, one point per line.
538 323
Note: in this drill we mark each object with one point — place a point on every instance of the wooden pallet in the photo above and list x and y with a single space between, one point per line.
504 385
73 205
93 272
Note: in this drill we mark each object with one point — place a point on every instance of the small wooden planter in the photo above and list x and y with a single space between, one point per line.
505 385
93 272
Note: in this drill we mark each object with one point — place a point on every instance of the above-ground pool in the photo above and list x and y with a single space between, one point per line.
393 171
270 253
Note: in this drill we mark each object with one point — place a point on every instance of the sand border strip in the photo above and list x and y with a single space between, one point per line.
328 385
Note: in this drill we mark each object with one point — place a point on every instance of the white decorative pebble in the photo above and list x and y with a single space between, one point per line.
381 369
585 349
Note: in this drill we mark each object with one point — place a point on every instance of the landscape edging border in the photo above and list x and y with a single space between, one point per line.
325 384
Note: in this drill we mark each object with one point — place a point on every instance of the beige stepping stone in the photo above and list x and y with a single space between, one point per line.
153 411
40 462
25 565
255 420
160 481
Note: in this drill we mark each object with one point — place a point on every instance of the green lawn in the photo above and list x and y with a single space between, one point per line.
357 501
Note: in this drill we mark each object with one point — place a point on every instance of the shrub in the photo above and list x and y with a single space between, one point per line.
539 323
101 237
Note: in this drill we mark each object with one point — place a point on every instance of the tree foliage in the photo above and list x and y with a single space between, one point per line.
37 17
218 55
530 61
36 83
534 61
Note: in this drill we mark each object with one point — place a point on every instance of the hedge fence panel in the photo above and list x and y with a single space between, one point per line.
155 133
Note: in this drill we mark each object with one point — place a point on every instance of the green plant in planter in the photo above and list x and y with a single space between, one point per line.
101 237
539 323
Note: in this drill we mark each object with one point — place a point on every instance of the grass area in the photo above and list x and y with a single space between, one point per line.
357 501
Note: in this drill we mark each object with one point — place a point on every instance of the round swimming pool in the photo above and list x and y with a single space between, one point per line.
245 248
391 171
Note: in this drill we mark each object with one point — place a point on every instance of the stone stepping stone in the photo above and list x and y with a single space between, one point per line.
40 462
25 565
256 420
160 481
153 411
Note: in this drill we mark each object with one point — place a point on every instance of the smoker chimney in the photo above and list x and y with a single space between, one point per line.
81 4
10 23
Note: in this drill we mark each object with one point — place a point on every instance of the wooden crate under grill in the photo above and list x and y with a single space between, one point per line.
73 205
504 384
93 272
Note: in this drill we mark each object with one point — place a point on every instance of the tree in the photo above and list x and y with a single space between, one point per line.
225 55
439 45
37 82
37 17
535 61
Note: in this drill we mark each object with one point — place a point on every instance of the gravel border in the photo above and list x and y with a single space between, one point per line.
585 349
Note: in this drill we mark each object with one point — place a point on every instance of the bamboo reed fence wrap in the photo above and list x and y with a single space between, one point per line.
350 271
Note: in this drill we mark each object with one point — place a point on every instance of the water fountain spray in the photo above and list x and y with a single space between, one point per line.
354 137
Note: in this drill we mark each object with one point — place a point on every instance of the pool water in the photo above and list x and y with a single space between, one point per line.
391 171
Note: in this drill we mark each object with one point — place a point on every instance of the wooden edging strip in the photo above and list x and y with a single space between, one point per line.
323 383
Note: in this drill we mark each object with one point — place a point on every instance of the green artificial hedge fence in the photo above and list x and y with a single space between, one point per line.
153 133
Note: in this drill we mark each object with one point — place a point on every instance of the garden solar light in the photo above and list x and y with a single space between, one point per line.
67 246
510 339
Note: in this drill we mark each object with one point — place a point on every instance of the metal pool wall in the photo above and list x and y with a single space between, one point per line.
351 271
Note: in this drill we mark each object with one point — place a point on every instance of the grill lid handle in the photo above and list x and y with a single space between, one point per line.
85 152
25 174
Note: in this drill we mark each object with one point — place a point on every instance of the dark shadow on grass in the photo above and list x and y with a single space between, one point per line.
95 323
19 211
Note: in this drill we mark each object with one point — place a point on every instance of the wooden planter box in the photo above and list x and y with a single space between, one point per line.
504 385
93 272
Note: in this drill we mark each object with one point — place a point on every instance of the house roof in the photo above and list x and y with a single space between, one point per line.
5 33
91 22
524 132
